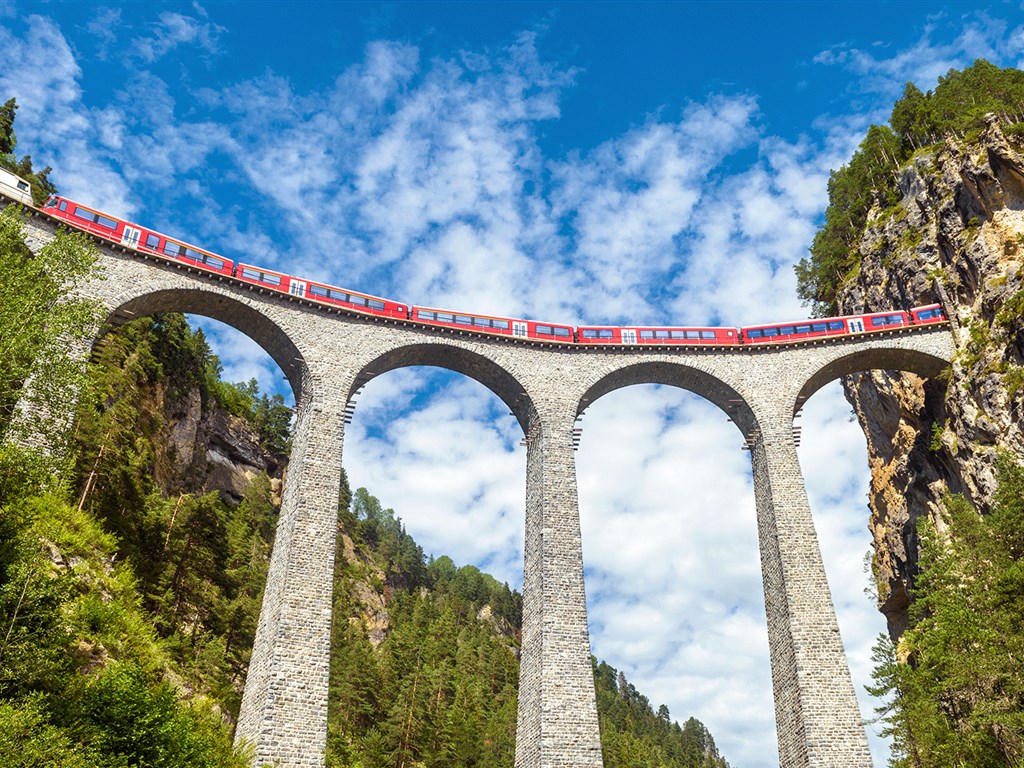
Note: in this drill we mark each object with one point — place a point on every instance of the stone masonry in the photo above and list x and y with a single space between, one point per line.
328 354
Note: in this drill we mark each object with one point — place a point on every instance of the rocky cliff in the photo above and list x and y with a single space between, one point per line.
209 449
956 236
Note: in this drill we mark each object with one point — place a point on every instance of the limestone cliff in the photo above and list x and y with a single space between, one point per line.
205 448
956 236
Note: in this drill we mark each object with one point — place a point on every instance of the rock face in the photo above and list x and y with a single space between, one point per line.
957 236
208 449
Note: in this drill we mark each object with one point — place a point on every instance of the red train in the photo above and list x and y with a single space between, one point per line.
152 242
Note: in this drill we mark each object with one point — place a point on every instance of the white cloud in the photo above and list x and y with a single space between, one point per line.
976 35
174 29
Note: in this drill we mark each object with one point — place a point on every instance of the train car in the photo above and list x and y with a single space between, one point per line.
830 326
503 326
133 236
606 334
329 294
276 281
928 314
15 187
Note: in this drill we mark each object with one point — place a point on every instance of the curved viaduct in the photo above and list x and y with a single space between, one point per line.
327 355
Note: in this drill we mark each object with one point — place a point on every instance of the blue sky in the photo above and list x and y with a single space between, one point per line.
599 162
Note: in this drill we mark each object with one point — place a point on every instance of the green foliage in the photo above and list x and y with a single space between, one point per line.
634 736
42 187
1011 313
958 104
441 689
1013 380
979 342
39 322
268 415
959 698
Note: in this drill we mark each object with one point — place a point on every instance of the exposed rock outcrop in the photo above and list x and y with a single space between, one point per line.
957 236
208 449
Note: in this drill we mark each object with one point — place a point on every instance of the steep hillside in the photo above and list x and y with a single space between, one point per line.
933 210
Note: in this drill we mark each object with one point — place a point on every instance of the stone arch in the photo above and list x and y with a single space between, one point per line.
476 366
924 364
695 380
255 324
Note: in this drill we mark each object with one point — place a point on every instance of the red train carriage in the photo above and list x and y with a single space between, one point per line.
928 314
607 334
830 326
329 294
504 326
132 235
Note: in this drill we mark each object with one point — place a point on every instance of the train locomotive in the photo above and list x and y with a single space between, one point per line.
154 243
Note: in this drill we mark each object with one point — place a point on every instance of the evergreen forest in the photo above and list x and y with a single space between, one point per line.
954 683
129 592
919 121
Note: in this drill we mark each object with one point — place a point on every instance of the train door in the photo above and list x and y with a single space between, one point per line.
629 335
130 236
519 329
297 288
856 325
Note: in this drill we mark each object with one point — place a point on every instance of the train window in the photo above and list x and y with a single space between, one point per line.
786 330
605 333
564 332
677 334
707 334
895 319
153 241
484 321
835 325
877 322
693 334
357 300
23 186
463 319
423 315
374 304
103 221
318 290
646 334
544 329
771 331
445 317
172 248
63 205
754 334
503 324
51 203
214 262
803 329
819 327
589 334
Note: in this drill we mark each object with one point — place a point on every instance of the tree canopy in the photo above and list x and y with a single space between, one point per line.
954 683
42 187
959 103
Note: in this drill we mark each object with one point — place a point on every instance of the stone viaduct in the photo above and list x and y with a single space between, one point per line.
327 355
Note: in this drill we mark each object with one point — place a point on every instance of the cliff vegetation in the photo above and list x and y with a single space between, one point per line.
931 209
